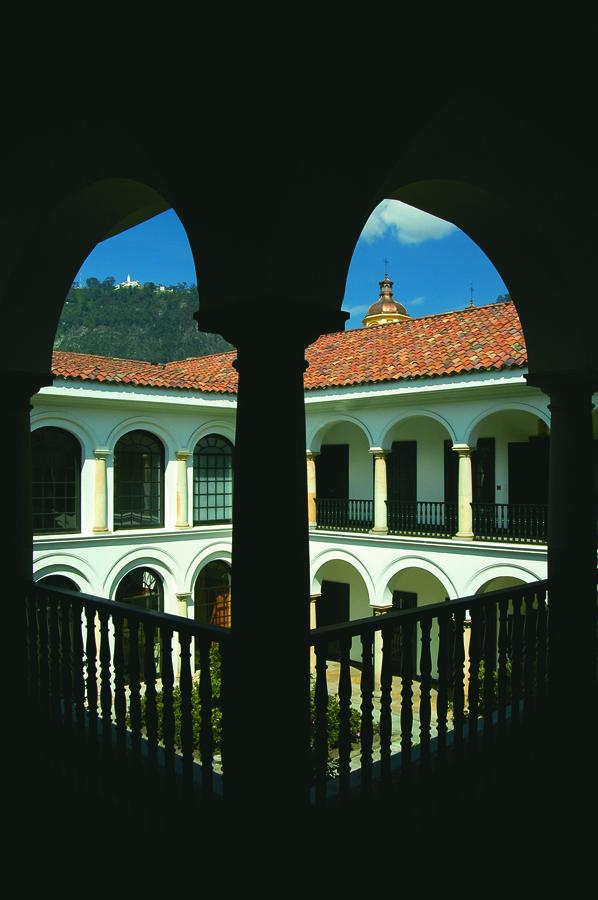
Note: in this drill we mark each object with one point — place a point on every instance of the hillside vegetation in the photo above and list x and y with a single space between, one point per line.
137 323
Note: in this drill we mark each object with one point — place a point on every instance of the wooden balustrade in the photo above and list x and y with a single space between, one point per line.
517 522
469 671
345 514
428 518
103 673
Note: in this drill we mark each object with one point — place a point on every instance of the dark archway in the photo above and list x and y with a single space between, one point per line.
56 481
142 589
138 481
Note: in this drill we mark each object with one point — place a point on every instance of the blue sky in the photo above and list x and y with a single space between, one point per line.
431 262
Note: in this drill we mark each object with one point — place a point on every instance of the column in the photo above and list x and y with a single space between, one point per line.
312 517
312 624
380 492
378 611
183 599
269 636
100 490
182 500
571 549
464 509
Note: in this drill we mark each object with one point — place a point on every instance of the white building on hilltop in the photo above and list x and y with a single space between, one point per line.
427 455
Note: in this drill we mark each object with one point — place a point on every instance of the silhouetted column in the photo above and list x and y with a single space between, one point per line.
380 492
571 548
465 532
266 673
312 517
182 500
100 490
313 624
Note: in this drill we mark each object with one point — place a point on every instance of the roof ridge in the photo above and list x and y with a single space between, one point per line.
127 359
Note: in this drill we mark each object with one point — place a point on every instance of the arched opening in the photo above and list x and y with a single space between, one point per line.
212 481
138 481
59 581
421 478
409 589
510 476
56 481
141 589
344 480
212 597
344 596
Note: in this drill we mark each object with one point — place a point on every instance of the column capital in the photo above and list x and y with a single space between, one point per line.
462 449
381 610
20 386
240 323
313 598
311 454
567 380
183 454
183 596
379 452
102 452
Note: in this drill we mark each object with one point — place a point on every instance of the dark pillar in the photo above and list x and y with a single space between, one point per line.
571 551
266 677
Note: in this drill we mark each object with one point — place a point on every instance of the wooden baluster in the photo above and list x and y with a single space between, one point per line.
407 629
425 707
33 646
186 685
135 690
151 707
344 737
458 692
529 656
503 662
66 661
473 694
367 709
105 685
54 647
78 669
444 640
206 737
91 683
386 706
321 723
167 706
517 654
541 649
489 611
120 699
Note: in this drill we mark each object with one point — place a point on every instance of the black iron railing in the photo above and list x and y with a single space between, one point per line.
517 522
118 682
429 518
468 671
345 514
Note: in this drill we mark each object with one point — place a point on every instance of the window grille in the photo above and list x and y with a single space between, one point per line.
56 481
212 481
138 481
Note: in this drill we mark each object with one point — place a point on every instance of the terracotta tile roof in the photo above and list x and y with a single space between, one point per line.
472 340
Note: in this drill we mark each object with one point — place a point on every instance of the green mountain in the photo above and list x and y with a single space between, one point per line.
137 323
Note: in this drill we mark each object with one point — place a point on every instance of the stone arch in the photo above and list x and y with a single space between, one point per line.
413 562
213 426
405 414
153 558
47 419
215 552
314 437
344 556
143 423
503 570
70 564
504 407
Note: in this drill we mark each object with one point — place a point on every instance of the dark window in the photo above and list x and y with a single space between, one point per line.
483 471
402 472
59 581
142 589
138 481
212 480
403 600
451 473
332 472
528 471
333 608
56 481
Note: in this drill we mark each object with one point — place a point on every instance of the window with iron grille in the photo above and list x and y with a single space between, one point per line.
138 481
56 481
212 481
142 589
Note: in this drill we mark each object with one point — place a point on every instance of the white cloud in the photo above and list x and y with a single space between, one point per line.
417 301
406 224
